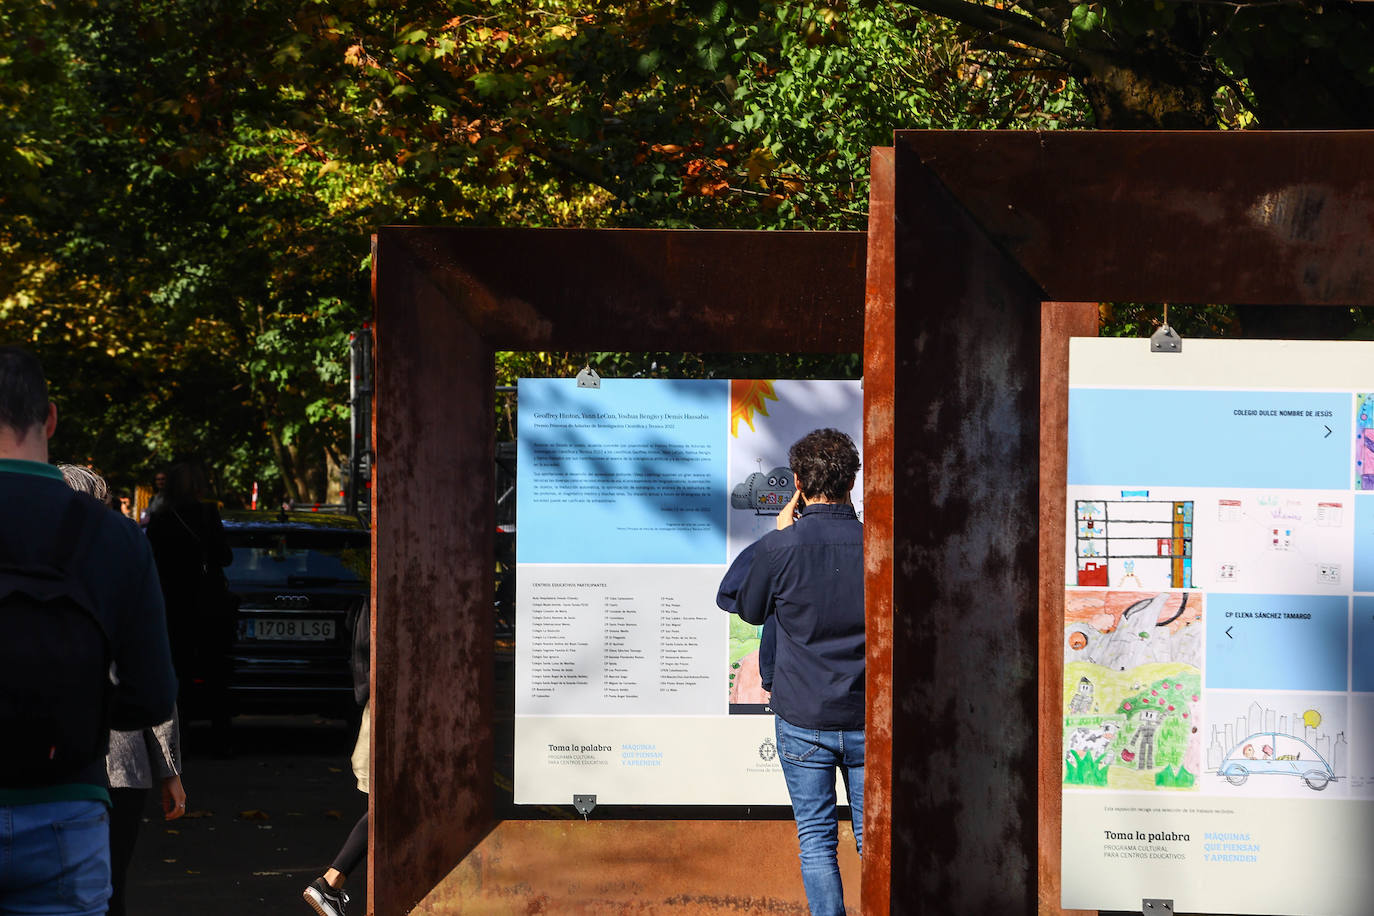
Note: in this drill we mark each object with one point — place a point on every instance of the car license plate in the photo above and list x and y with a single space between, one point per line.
308 629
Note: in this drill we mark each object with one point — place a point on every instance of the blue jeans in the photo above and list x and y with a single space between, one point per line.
809 759
54 859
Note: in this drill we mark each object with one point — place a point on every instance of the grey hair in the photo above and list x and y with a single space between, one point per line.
84 480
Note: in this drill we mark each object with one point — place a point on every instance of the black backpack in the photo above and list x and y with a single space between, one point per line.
55 684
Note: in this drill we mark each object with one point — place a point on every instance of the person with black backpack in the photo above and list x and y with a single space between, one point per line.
83 648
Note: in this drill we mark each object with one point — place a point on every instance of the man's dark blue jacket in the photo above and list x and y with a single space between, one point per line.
120 578
810 576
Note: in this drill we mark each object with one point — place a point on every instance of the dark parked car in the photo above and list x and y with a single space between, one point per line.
301 579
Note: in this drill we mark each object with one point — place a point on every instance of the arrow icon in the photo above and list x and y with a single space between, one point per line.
1228 633
1328 432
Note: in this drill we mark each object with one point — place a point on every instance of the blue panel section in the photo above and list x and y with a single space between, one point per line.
1364 543
631 472
1277 642
1362 651
1278 440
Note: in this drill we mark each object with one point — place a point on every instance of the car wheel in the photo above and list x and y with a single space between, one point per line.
1236 776
1316 779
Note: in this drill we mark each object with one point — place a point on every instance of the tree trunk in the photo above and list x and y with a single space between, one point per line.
285 461
1151 88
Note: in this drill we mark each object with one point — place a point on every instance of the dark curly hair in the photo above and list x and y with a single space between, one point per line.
827 463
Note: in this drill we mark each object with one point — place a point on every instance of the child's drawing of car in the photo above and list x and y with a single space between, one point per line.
1276 754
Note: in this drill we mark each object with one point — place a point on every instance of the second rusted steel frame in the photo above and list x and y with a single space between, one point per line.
1003 242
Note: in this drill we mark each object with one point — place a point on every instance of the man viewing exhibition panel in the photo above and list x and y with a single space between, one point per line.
808 575
631 687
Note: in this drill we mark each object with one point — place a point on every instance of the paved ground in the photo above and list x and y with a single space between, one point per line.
260 826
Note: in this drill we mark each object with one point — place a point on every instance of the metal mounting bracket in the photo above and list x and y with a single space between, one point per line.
1154 906
588 378
585 803
1166 340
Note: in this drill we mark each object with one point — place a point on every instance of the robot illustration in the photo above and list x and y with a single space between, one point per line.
1082 701
1144 738
766 494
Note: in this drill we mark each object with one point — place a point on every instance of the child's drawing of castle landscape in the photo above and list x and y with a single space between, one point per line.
1132 688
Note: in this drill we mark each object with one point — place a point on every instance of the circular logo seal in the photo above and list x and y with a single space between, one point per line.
767 750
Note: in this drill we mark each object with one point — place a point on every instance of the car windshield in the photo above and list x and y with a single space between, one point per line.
287 556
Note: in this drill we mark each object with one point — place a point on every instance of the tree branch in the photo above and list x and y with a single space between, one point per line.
992 45
1049 17
577 170
1011 68
1000 23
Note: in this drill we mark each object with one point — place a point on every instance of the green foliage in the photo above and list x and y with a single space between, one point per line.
188 186
751 114
1082 769
177 258
1175 777
1172 740
1141 319
1173 696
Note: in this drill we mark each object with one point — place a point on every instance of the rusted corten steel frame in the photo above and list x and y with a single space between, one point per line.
1002 245
446 300
879 421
